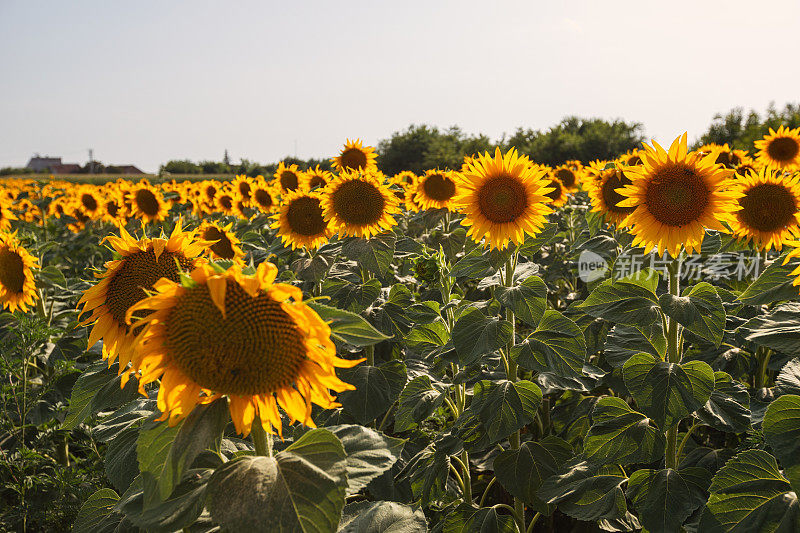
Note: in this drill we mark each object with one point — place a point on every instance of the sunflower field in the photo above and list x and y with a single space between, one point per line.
502 347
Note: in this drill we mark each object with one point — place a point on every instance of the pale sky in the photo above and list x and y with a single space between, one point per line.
143 82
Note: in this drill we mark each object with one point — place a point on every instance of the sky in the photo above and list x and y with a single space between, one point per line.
147 81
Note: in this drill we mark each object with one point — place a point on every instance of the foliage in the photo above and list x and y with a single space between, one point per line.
739 129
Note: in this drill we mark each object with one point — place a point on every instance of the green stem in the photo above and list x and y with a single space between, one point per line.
533 521
685 440
467 477
511 372
370 353
762 355
673 356
486 491
261 440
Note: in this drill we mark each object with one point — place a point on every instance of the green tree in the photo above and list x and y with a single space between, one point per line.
421 147
741 130
180 166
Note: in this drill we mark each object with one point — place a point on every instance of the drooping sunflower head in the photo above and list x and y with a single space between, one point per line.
316 178
17 286
225 333
676 194
221 241
605 197
288 178
137 266
436 189
770 209
502 198
568 177
359 204
147 203
300 221
780 148
355 156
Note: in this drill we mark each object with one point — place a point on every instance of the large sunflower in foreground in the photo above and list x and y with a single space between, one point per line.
147 203
677 194
359 204
138 266
502 197
222 242
770 213
300 221
436 189
241 336
355 156
780 148
17 286
605 198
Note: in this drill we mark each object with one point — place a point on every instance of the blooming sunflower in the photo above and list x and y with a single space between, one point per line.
243 185
631 157
557 192
221 241
355 156
138 266
147 203
224 201
17 287
359 204
314 178
91 201
677 194
567 176
770 209
6 216
263 197
241 336
502 197
436 189
780 148
288 177
795 252
605 198
300 221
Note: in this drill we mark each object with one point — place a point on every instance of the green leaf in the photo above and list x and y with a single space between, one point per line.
779 329
389 517
557 345
621 435
97 514
417 402
623 342
503 406
97 388
427 337
374 255
728 409
781 428
667 392
475 335
773 285
528 300
522 471
488 520
532 245
788 380
120 459
586 491
301 489
666 498
699 310
152 449
348 327
750 494
377 388
352 297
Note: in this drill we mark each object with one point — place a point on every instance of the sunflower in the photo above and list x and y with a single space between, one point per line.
263 197
502 197
770 209
91 202
243 185
359 204
567 176
435 190
605 198
288 178
557 192
300 221
631 157
677 194
208 191
147 202
406 178
355 156
6 216
795 252
314 178
139 265
241 336
745 169
221 241
17 287
780 148
224 201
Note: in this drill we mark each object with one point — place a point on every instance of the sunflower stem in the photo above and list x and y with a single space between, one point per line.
370 353
673 356
261 441
762 355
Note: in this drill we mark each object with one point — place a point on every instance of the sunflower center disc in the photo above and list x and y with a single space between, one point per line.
610 195
112 208
140 271
12 271
147 202
354 158
222 247
316 181
262 198
288 180
255 349
555 194
566 176
767 207
305 216
439 188
502 199
358 202
244 189
783 149
89 202
676 195
211 191
226 202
